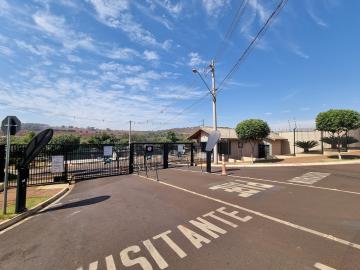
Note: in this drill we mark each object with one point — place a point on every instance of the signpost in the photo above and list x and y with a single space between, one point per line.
10 125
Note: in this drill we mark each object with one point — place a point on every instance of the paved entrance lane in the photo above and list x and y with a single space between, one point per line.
112 222
343 177
330 212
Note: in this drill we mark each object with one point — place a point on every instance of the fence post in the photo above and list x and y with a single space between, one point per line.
192 154
2 162
66 162
165 155
131 158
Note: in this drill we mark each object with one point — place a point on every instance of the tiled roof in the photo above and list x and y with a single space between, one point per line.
230 133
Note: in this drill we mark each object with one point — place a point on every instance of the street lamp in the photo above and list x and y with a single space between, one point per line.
213 94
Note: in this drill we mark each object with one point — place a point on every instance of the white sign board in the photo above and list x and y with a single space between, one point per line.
181 149
108 151
213 138
57 164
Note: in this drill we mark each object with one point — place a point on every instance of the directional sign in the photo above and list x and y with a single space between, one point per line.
15 124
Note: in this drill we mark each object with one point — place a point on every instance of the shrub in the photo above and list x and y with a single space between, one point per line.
306 145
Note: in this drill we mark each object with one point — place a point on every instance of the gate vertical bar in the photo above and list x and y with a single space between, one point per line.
131 158
165 155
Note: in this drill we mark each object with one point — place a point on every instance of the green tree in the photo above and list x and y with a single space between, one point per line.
25 139
102 139
345 141
64 143
338 123
171 136
306 145
253 131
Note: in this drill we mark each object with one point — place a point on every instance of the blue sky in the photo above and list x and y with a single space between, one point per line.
104 62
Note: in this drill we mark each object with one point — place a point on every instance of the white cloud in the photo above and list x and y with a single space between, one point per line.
74 58
121 53
55 26
316 19
195 59
41 50
115 13
260 10
173 9
6 51
297 50
151 55
214 7
4 6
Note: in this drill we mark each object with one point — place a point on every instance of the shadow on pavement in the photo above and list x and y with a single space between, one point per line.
84 202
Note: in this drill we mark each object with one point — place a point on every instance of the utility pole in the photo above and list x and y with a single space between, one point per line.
129 133
212 68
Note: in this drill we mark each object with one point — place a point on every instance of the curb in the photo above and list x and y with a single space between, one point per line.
288 164
32 211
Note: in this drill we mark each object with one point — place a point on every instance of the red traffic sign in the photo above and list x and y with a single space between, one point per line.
15 124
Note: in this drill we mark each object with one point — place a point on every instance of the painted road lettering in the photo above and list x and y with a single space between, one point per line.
199 231
309 178
244 189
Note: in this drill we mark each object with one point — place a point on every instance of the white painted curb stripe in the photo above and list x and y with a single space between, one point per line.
323 266
289 224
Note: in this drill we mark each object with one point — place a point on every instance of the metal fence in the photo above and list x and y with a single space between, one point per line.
85 161
80 161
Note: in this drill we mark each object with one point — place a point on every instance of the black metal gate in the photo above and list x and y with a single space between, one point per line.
85 161
81 161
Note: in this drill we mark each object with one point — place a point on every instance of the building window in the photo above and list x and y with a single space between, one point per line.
224 147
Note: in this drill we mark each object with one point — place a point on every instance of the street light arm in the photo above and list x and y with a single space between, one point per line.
201 77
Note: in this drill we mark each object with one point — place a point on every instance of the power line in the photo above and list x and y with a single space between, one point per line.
231 29
252 44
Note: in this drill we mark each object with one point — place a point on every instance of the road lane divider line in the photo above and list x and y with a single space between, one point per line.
279 182
321 266
257 213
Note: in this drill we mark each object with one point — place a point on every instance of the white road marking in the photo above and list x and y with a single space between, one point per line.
110 264
164 236
277 220
155 254
321 266
279 182
244 189
309 178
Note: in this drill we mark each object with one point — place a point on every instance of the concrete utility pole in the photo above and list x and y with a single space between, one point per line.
213 94
213 88
130 133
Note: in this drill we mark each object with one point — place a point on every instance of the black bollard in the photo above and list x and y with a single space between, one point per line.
23 175
208 161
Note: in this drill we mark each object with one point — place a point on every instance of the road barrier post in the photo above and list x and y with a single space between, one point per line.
208 161
23 176
192 154
165 155
131 158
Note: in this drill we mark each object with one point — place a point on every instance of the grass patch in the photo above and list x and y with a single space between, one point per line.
30 203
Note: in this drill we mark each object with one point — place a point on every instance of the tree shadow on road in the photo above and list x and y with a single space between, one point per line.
80 203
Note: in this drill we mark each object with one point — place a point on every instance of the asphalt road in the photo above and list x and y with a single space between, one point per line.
187 220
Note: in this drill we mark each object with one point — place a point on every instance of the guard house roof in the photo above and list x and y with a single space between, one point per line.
229 133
